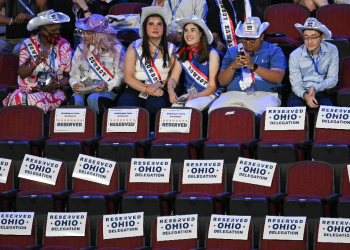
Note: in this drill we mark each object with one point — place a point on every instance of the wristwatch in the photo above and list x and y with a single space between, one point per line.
255 67
161 84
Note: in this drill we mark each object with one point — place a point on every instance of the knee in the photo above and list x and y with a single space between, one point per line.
77 100
92 101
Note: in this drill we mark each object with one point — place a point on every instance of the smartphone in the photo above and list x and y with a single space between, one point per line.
240 53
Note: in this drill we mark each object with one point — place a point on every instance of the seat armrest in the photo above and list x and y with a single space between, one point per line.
34 247
10 194
88 248
170 195
39 141
63 194
198 142
223 196
305 144
198 248
278 89
331 198
253 143
143 248
277 197
146 142
14 87
92 141
115 195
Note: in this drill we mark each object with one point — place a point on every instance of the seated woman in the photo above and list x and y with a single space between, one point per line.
45 62
201 65
97 65
148 64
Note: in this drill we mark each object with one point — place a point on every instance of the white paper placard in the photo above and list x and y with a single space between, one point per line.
122 225
177 227
333 117
230 113
70 120
284 228
175 121
202 171
254 172
16 223
348 166
150 170
65 224
283 118
93 169
5 165
40 169
334 230
122 120
229 227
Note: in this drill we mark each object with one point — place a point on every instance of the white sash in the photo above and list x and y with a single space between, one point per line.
95 64
227 27
247 75
32 48
247 8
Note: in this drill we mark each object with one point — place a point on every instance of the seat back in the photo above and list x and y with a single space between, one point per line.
345 73
331 135
127 8
61 183
71 241
80 185
287 135
232 244
5 204
224 124
310 178
282 18
241 187
9 63
195 128
128 242
21 241
142 126
23 122
284 244
180 244
328 245
336 17
90 125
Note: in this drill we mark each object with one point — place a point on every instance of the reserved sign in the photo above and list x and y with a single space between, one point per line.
70 120
283 118
175 121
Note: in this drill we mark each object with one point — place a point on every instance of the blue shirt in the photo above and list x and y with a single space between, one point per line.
303 74
269 56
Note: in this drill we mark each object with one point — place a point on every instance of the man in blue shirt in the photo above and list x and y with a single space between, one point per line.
313 66
250 70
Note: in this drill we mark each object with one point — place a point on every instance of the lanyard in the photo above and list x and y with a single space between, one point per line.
75 12
52 54
317 61
156 54
25 6
234 12
173 11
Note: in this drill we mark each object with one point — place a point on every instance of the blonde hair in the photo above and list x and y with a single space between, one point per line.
103 43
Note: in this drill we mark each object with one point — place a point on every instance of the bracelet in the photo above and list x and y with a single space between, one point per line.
30 66
11 21
35 65
58 84
86 11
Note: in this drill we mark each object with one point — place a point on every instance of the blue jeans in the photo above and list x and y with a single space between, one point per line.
93 99
321 97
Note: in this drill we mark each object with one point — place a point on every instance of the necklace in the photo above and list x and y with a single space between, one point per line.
158 46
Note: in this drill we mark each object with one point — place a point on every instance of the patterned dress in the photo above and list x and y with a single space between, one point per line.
44 100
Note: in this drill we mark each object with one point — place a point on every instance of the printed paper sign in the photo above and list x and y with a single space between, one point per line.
229 227
202 171
175 121
150 170
334 230
70 120
281 118
348 166
333 117
284 228
16 223
122 225
93 169
65 224
177 227
122 120
5 165
254 172
40 169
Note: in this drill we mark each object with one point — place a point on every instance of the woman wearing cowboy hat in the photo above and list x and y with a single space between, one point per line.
45 62
200 63
98 63
148 64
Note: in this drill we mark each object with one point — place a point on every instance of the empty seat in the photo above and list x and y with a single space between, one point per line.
343 206
328 245
343 97
7 191
9 63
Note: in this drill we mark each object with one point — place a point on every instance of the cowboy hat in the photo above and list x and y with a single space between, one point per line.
147 11
313 24
198 21
251 28
46 18
95 23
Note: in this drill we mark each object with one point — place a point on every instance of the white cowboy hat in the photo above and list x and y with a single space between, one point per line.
147 11
46 18
313 24
196 20
251 28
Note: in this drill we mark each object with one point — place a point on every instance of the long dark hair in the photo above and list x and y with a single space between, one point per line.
203 51
146 53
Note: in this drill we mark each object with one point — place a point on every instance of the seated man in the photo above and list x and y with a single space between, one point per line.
250 70
313 66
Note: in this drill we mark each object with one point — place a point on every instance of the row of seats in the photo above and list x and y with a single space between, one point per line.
138 242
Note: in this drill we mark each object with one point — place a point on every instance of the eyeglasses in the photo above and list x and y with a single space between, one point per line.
311 38
251 40
54 31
